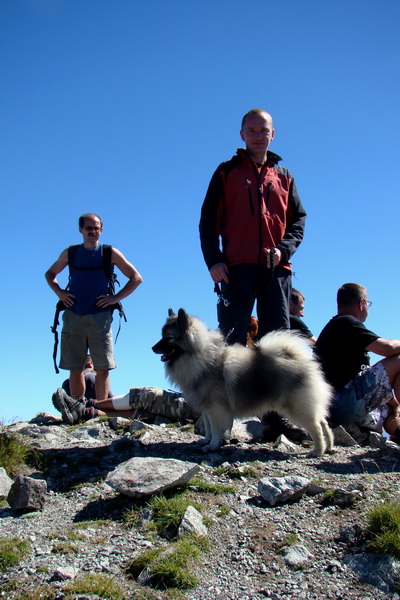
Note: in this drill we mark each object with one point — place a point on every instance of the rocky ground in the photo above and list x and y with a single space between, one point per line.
249 556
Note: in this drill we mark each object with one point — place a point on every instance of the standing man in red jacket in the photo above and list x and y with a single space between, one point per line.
253 208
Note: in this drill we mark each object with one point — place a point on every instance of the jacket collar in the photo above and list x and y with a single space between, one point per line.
272 158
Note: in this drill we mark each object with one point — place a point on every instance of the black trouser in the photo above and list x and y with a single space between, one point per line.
249 283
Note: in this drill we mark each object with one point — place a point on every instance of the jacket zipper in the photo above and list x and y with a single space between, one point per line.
260 199
250 198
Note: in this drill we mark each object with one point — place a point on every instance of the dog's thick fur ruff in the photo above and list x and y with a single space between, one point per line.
226 382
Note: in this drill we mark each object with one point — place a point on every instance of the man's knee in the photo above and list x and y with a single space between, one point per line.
102 373
392 366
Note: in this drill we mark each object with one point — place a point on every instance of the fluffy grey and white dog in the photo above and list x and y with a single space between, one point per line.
227 382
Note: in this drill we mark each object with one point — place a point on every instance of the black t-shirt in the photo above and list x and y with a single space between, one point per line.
299 325
341 349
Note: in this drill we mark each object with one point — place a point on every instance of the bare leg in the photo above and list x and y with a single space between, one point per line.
104 405
102 385
77 383
392 422
126 414
106 408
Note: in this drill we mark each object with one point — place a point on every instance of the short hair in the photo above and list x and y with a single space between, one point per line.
296 296
350 293
255 111
85 216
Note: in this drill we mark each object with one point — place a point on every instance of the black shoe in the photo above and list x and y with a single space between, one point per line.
274 425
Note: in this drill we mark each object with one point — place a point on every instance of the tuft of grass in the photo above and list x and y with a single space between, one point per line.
65 548
12 551
98 584
132 517
170 568
334 497
87 524
223 510
384 528
14 452
99 540
42 592
290 540
74 536
167 513
211 488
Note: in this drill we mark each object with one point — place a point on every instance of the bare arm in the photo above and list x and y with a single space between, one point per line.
127 269
384 347
51 278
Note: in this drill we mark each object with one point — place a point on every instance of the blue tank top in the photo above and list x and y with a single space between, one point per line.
88 280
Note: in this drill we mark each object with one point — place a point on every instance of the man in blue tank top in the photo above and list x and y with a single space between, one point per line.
88 315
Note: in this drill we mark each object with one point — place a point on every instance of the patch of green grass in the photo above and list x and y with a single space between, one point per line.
74 536
132 518
12 551
42 592
290 540
167 513
98 584
330 497
246 471
170 567
384 528
42 569
99 540
137 433
223 510
220 471
65 548
94 523
72 428
210 488
334 497
16 453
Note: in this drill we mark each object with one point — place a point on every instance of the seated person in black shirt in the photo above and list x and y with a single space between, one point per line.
364 395
296 310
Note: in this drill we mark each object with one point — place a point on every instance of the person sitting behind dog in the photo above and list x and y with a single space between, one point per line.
139 400
296 310
252 333
363 393
90 380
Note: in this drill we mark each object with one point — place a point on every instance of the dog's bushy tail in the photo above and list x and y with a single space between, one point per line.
286 343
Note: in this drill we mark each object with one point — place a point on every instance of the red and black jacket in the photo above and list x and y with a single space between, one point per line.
251 208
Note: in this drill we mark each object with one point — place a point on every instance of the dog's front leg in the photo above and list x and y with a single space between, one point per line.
207 430
220 424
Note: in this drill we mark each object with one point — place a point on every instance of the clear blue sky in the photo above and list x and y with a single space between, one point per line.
126 108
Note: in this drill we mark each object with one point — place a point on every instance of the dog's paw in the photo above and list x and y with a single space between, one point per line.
314 454
211 448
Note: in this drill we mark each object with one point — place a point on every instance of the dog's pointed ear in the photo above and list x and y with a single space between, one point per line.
183 318
171 313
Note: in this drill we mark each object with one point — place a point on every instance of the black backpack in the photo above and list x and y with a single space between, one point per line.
112 278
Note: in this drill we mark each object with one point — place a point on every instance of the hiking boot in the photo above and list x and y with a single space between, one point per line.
274 425
72 409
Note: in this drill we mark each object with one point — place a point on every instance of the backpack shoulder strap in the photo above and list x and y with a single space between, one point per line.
107 266
72 250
